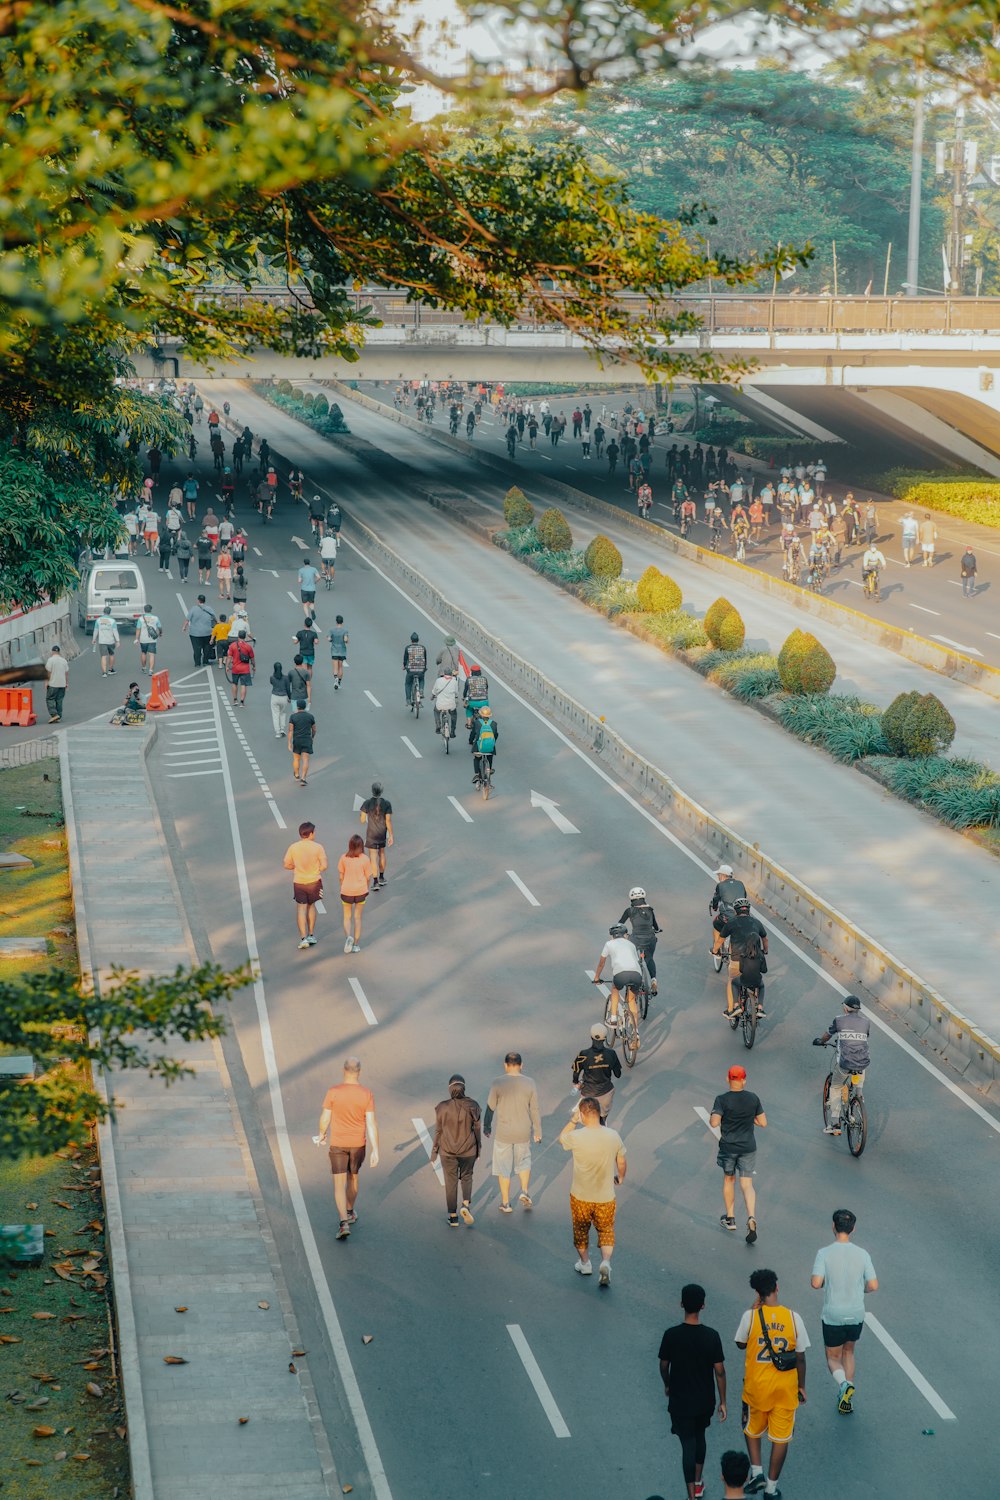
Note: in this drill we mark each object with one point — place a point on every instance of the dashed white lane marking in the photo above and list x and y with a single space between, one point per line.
428 1145
258 552
538 1381
362 1000
411 747
180 601
181 775
460 809
924 610
292 596
321 908
523 888
372 698
909 1368
704 1115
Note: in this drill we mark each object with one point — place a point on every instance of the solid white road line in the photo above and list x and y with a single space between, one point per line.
428 1145
991 1120
523 888
183 605
537 1379
181 775
947 641
704 1115
359 802
372 698
604 989
352 1391
909 1368
293 597
460 809
362 1000
411 747
924 610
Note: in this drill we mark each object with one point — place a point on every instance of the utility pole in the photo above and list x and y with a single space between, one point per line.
956 247
916 183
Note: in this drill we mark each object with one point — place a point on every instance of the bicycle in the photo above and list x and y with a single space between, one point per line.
447 726
486 776
853 1114
623 1028
644 993
871 586
790 570
746 1013
416 698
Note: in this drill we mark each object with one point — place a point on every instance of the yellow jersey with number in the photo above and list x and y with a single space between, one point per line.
764 1387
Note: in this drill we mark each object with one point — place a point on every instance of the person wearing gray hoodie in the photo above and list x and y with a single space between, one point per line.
458 1142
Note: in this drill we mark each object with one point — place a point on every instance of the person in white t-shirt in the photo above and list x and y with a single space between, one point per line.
147 632
106 638
626 971
328 554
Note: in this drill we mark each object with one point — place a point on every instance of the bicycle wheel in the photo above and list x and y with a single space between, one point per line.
416 703
748 1000
486 783
642 999
857 1125
826 1100
446 736
717 961
630 1038
607 1014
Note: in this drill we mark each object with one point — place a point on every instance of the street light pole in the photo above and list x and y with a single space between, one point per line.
916 183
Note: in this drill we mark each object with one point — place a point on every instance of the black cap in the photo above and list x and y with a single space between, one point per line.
852 1002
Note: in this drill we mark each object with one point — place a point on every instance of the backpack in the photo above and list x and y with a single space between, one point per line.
486 742
417 659
479 690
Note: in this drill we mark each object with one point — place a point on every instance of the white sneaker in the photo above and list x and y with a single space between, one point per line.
349 945
311 941
604 1278
584 1267
304 943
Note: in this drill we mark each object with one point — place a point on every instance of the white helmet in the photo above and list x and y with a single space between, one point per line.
636 894
726 870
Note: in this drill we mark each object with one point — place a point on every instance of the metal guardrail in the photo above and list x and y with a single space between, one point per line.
727 313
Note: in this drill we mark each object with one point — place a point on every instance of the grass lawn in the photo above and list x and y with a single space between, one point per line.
55 1324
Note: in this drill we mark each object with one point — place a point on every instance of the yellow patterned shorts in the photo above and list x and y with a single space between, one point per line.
601 1215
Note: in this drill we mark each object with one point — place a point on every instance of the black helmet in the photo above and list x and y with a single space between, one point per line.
852 1002
414 637
742 905
618 929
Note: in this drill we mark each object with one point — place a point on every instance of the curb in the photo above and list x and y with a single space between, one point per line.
127 1338
947 662
938 1024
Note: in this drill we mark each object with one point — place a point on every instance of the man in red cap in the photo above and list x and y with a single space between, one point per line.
734 1115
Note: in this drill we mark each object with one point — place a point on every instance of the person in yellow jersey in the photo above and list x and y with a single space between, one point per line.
772 1335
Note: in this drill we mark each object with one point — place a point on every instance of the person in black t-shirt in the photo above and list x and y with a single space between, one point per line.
747 952
734 1115
301 736
692 1365
376 815
595 1070
645 928
306 639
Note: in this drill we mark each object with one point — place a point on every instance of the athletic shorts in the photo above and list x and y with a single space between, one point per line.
148 648
375 843
308 660
601 1215
346 1159
737 1166
510 1158
302 747
307 895
308 596
353 900
108 650
835 1334
629 979
778 1423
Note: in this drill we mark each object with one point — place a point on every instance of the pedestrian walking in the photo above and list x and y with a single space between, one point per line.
150 530
147 633
692 1368
513 1101
909 536
106 640
301 737
165 548
735 1473
968 573
307 588
458 1143
595 1070
183 552
348 1118
220 641
190 488
224 572
928 539
281 698
307 860
300 680
241 666
198 626
204 557
734 1115
211 524
56 683
775 1341
352 869
845 1274
598 1163
240 585
376 816
339 638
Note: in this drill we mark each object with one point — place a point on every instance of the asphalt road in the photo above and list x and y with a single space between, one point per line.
456 967
927 601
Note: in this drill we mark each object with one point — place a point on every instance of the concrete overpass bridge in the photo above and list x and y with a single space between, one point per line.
907 378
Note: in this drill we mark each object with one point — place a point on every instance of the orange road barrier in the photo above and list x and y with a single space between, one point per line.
161 696
16 707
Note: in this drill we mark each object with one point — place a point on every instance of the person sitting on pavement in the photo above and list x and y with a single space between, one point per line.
645 927
444 696
727 889
747 949
483 737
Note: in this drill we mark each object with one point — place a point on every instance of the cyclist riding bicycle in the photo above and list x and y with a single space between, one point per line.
852 1031
317 514
483 738
872 562
626 970
444 696
717 525
645 927
334 519
741 531
414 665
475 693
296 480
688 515
747 949
328 555
644 498
727 891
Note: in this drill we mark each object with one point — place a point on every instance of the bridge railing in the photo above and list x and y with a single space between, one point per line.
726 313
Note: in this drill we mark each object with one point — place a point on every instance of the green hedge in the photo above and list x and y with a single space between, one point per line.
917 725
962 793
845 726
612 597
674 632
732 632
968 496
779 450
603 558
714 616
327 423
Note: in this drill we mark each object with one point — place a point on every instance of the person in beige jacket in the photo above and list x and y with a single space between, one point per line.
928 539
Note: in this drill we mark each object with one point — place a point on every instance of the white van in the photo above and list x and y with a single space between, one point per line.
114 581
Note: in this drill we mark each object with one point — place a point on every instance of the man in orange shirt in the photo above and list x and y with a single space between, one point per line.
307 860
349 1118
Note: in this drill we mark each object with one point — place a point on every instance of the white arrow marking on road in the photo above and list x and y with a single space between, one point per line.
300 543
523 888
460 809
362 1000
552 809
946 641
703 1114
359 802
428 1145
909 1368
538 1380
372 698
411 747
273 571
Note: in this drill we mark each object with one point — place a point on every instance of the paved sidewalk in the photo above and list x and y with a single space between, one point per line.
185 1222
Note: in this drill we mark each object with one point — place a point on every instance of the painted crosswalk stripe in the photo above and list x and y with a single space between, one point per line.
362 1000
180 775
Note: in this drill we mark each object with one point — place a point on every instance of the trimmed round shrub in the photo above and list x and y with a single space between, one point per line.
817 669
731 633
320 404
603 558
553 528
517 508
285 387
657 593
790 660
917 725
894 720
714 616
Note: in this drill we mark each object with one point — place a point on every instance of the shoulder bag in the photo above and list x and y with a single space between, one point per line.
783 1360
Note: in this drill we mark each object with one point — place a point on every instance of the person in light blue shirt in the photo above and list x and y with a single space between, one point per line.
845 1274
307 587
